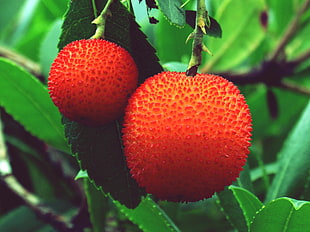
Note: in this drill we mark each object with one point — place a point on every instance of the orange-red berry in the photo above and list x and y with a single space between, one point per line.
91 80
186 137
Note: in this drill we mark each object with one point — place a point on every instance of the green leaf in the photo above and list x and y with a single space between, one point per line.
230 206
283 215
27 100
149 217
248 202
294 159
242 34
99 150
172 11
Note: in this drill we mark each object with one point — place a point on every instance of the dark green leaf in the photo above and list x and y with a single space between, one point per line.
77 24
172 11
99 150
294 159
283 214
98 207
27 100
215 29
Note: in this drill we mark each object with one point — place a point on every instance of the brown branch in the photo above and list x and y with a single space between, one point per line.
23 61
290 31
270 73
31 200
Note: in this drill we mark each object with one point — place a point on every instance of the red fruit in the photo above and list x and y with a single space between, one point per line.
91 80
186 137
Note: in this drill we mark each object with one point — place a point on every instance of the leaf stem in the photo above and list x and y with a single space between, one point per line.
200 30
101 20
290 31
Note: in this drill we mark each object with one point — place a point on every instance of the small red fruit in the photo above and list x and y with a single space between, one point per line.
91 80
186 137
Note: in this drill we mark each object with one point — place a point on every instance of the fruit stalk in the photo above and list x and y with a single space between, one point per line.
202 20
101 20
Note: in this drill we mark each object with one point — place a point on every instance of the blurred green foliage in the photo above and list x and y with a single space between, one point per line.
273 190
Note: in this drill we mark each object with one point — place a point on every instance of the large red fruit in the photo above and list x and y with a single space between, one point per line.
91 80
186 137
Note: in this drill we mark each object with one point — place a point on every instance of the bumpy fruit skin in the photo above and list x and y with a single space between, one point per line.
186 137
91 80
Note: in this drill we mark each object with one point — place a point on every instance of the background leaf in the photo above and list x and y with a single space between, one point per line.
172 11
283 214
294 160
32 106
48 48
242 34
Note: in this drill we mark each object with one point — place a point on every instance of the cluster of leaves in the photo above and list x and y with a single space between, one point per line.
278 167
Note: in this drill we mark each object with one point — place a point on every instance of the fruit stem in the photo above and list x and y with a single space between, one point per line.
202 21
101 20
